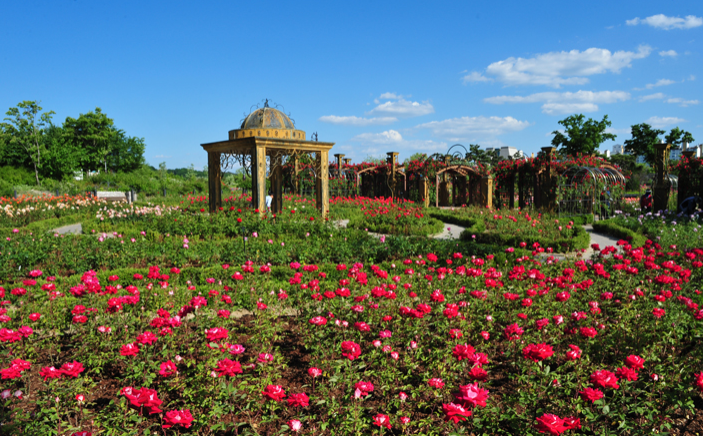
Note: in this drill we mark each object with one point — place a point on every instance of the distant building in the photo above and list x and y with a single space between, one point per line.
607 154
640 160
675 155
618 149
507 152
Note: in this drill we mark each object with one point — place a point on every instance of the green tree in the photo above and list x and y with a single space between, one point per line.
644 137
581 137
677 137
61 157
25 128
93 134
478 155
126 153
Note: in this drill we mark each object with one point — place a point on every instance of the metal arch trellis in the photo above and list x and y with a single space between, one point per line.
342 181
465 185
590 190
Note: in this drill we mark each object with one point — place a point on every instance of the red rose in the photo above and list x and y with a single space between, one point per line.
455 413
537 352
552 424
590 394
472 395
129 350
178 417
216 334
274 392
351 350
588 332
228 367
604 379
168 368
72 369
298 400
382 421
50 372
626 373
634 362
463 351
699 381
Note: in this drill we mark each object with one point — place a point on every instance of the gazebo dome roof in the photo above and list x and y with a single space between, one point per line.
267 122
267 118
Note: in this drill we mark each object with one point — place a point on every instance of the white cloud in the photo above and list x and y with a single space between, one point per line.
356 121
659 122
657 96
403 108
681 102
660 82
661 21
622 131
565 102
387 137
475 76
390 96
558 68
161 156
568 108
457 128
670 53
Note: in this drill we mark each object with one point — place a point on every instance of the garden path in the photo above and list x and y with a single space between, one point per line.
452 231
75 229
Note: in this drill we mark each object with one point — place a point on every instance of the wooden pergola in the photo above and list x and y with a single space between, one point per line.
266 141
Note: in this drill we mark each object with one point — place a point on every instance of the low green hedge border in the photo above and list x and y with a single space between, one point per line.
610 228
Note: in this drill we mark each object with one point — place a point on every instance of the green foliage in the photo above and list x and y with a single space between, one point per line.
581 137
11 176
678 137
92 133
25 128
612 228
642 142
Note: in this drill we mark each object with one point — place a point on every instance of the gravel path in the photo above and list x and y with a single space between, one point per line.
74 229
452 231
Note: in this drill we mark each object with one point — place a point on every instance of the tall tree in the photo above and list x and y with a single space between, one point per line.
581 136
62 157
678 137
126 153
93 134
25 127
644 137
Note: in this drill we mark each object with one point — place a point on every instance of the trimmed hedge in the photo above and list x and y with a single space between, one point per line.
611 228
579 241
432 227
48 224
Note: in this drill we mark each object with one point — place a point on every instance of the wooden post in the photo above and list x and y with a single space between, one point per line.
424 191
392 160
511 191
685 188
548 197
214 176
339 159
277 184
487 191
259 174
322 194
296 171
662 185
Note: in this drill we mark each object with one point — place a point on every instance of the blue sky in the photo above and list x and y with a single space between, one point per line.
370 76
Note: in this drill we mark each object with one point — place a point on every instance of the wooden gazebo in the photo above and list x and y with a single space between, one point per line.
265 142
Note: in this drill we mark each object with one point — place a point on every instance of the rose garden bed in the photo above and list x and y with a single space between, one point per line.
179 337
